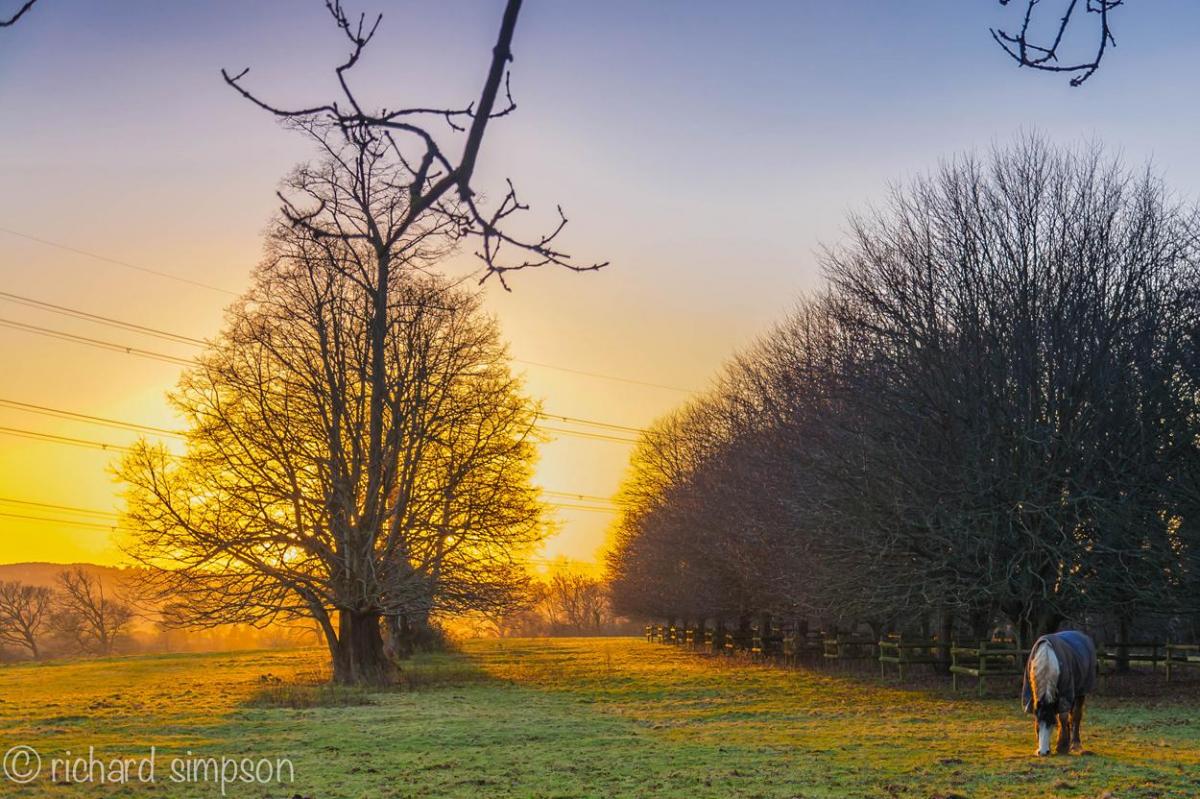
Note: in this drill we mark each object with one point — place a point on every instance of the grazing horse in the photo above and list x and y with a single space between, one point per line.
1061 672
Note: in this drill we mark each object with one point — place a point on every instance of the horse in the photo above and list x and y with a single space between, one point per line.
1059 675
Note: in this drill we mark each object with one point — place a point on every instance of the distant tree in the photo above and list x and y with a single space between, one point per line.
24 613
576 603
86 615
11 19
1043 53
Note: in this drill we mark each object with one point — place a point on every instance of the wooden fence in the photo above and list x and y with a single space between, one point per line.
999 661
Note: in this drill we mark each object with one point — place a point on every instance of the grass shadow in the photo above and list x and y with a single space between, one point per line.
314 688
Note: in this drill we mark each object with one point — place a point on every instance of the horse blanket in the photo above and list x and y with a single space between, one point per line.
1076 668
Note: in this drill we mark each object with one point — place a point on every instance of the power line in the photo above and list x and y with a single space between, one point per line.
49 520
117 262
581 497
585 434
589 509
605 425
114 515
143 428
77 442
82 442
180 338
64 508
75 313
92 342
101 526
600 376
83 417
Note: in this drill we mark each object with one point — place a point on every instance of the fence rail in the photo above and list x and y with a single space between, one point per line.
982 661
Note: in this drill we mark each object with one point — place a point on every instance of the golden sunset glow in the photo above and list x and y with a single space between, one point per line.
57 460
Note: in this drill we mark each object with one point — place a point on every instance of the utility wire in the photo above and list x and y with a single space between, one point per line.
117 262
180 338
76 442
92 342
581 497
75 313
564 506
605 425
142 428
585 434
83 417
64 508
100 526
49 520
600 376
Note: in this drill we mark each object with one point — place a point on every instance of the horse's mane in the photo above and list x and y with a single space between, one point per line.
1043 673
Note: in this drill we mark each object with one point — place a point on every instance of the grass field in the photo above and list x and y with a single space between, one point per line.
566 718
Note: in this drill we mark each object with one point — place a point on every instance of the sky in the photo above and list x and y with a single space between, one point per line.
707 150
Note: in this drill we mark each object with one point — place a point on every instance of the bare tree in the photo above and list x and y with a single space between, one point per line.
1025 49
576 603
435 181
24 613
12 18
87 615
359 448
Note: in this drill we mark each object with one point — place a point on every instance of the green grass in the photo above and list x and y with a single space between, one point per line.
569 718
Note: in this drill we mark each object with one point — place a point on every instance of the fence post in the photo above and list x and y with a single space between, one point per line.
983 661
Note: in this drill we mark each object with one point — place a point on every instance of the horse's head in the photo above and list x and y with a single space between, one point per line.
1043 685
1044 724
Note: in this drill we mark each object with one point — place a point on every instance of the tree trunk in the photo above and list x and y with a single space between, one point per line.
408 632
360 658
981 623
1033 623
1123 645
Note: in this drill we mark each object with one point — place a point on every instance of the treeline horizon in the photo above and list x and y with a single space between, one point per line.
103 615
67 610
987 417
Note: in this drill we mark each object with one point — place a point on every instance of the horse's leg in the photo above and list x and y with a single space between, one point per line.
1076 723
1064 733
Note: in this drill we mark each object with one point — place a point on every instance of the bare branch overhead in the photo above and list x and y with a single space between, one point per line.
1045 56
20 12
422 139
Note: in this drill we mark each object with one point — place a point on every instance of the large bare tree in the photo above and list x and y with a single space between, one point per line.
358 449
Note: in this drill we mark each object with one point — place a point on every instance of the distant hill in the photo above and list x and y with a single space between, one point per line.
46 574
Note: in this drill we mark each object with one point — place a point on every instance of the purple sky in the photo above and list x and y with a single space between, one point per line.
707 149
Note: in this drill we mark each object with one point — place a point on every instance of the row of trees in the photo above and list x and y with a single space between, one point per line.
989 415
78 615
